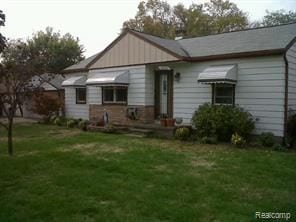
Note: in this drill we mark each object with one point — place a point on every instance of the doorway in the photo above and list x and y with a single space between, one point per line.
163 94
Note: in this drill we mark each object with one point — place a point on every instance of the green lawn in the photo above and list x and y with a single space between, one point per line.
59 174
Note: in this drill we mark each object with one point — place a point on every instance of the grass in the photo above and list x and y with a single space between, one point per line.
60 174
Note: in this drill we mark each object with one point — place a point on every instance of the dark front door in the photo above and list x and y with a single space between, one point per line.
163 94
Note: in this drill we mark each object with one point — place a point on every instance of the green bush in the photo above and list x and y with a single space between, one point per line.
209 140
291 129
58 121
83 125
267 139
279 147
238 140
71 123
182 133
222 121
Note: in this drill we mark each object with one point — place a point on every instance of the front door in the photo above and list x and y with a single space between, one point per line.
163 94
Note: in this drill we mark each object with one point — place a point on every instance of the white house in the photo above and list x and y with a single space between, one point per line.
149 76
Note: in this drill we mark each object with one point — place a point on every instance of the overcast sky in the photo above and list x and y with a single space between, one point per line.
97 22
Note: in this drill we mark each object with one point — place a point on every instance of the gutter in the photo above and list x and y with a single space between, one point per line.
286 99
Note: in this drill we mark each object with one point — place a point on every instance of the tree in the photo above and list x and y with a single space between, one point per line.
2 38
225 16
16 71
278 17
157 17
51 53
47 52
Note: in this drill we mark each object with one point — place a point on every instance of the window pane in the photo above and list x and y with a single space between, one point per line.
224 94
81 95
223 100
121 94
224 91
108 94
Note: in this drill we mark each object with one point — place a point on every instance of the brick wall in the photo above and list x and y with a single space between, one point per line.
118 114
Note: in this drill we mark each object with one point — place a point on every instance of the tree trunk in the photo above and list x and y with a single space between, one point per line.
9 138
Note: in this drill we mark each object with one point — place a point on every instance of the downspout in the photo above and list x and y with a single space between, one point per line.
286 98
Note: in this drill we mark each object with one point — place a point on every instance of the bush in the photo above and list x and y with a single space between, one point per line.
278 147
238 140
222 121
209 140
46 105
291 130
83 125
182 133
71 123
267 139
109 128
58 121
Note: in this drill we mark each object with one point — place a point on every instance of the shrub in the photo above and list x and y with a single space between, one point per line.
238 140
71 123
83 125
58 121
278 147
182 133
109 128
222 121
209 140
267 139
45 105
291 129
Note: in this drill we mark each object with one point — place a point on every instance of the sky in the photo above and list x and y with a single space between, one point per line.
97 22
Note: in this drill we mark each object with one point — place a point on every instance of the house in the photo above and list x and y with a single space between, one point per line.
52 86
140 77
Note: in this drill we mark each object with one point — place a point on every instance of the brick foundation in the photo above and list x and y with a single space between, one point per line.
118 114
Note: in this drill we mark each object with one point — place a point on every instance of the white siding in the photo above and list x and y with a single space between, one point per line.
139 82
94 95
291 56
260 90
72 109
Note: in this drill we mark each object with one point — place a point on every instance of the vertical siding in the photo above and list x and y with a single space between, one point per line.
72 109
131 50
260 90
291 56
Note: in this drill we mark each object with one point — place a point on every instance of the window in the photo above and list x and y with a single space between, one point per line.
115 94
223 94
80 95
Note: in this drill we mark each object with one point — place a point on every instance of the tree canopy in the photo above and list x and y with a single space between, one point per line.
2 23
278 17
51 52
159 18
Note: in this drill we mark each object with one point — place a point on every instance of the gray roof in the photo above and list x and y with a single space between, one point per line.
54 80
250 40
261 39
82 64
245 41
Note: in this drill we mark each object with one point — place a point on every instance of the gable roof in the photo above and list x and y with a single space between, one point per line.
80 66
249 42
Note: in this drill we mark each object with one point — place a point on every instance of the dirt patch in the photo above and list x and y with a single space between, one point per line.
200 162
27 153
94 148
63 132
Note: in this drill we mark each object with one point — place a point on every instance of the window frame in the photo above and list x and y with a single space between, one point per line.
214 91
114 102
77 89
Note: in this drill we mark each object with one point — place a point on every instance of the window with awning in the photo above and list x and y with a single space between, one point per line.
108 78
75 81
219 74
